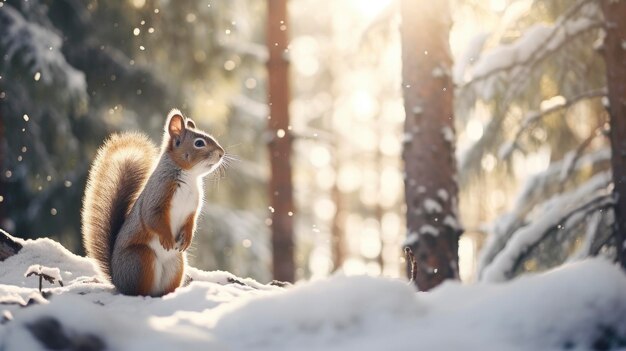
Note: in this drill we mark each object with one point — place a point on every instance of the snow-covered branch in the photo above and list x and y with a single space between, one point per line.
539 187
563 212
38 50
537 43
554 105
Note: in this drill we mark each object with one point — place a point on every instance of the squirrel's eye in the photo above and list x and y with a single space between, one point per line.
199 143
177 142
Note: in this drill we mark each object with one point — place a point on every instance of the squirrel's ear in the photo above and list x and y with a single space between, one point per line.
175 123
191 123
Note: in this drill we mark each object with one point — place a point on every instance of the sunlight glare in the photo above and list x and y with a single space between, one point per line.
354 266
531 164
304 50
363 105
391 186
370 8
370 245
467 258
325 178
389 145
497 5
324 208
391 224
319 156
349 178
474 129
320 263
138 3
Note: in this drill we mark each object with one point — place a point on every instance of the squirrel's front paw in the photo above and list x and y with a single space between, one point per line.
167 243
183 240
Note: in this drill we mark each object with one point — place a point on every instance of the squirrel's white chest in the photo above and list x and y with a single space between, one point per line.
186 201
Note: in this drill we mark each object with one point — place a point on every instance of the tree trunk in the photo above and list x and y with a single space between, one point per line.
3 188
280 188
615 59
431 191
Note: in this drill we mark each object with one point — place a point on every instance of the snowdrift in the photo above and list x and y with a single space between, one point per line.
577 307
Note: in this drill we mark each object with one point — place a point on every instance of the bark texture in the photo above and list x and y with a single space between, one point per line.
280 187
431 191
615 59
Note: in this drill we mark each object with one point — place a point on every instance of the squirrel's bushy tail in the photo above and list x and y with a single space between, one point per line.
116 178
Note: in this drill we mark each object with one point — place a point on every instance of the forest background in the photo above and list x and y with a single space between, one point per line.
527 80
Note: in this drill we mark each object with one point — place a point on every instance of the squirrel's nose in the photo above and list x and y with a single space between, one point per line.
220 153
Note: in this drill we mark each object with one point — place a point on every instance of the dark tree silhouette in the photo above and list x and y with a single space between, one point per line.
615 58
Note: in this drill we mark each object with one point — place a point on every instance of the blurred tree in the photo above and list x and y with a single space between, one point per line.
615 58
430 188
529 96
59 78
280 186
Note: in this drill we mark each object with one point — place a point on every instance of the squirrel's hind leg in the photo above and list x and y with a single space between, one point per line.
177 276
132 270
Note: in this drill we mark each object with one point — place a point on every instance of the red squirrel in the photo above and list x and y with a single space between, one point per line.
141 205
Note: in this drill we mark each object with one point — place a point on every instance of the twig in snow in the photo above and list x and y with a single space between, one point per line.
235 281
44 273
279 283
410 257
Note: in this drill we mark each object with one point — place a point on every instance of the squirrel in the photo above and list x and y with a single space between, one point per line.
141 205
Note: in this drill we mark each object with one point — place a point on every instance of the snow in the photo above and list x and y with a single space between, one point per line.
470 55
417 110
428 229
451 222
534 190
411 239
407 137
577 306
432 206
552 103
536 43
38 269
552 213
536 39
448 134
443 194
590 234
568 163
48 253
39 50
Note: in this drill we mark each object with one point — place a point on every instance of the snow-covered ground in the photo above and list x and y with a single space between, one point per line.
581 306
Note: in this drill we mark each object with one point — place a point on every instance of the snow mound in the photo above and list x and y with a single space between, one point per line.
47 253
579 306
317 314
